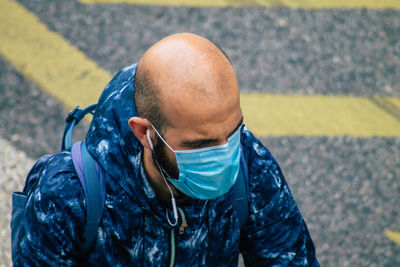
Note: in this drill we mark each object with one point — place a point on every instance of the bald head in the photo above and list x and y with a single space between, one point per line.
182 75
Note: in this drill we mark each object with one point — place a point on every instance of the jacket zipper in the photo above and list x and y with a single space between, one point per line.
173 239
173 248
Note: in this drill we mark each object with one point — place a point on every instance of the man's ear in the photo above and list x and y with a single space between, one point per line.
139 128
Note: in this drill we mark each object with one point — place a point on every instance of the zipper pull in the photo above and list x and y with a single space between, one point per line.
182 227
184 223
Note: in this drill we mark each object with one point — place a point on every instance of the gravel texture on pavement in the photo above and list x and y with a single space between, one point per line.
32 120
348 191
14 165
330 52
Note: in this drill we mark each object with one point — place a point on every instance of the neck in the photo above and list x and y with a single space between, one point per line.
156 180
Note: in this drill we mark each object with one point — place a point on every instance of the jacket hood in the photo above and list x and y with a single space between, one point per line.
109 139
112 143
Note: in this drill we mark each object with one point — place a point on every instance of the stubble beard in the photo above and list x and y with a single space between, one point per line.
160 155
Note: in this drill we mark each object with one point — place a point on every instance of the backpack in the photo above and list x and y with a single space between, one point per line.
92 179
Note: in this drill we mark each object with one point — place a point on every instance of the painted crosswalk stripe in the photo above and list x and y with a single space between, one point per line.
309 4
71 77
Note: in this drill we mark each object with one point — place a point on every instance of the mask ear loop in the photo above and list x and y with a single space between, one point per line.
173 202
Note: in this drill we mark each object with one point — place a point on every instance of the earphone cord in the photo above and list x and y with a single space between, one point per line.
173 202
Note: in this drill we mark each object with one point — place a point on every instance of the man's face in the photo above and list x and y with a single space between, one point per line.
166 159
196 135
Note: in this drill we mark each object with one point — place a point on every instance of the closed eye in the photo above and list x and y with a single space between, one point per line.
208 142
199 143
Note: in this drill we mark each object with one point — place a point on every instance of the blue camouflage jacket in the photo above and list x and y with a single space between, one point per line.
134 230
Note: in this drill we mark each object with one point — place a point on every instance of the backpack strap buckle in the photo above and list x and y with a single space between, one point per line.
73 118
77 114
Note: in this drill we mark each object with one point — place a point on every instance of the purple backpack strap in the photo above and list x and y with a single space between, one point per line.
78 164
92 179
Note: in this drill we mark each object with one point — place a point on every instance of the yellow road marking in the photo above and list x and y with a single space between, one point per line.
394 236
47 59
74 79
278 115
306 4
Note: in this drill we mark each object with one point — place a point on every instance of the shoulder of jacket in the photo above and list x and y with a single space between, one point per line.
256 154
58 180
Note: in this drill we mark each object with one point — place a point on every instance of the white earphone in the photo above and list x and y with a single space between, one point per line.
173 202
149 139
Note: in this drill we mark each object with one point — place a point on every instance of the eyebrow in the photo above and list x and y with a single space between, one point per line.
204 142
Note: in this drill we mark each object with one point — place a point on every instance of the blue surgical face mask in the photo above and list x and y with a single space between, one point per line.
209 172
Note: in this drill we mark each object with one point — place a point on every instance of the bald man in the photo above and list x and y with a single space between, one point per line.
168 134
